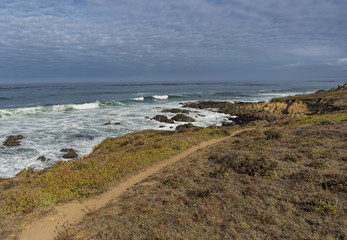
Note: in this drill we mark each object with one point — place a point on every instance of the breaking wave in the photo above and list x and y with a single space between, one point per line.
53 108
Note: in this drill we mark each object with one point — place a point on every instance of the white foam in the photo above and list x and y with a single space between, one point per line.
160 97
42 109
85 106
139 99
17 111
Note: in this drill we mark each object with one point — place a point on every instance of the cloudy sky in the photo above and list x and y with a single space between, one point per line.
180 40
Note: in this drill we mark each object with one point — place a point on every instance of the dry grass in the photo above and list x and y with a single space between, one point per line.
251 186
33 193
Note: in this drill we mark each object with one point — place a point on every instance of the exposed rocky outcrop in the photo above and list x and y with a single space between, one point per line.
320 102
12 141
342 87
245 112
183 118
163 118
70 153
176 110
280 108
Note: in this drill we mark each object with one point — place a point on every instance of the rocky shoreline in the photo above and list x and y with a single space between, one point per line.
241 113
320 102
304 149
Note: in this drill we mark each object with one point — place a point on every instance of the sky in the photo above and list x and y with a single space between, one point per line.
172 40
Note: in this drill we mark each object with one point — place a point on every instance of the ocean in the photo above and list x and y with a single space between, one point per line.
73 115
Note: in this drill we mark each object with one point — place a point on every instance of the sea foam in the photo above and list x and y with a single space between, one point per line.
139 99
160 97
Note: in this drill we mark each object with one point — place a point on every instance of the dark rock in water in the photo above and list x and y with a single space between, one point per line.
183 118
108 123
70 153
162 126
42 158
89 137
12 141
163 118
185 127
228 124
116 123
176 110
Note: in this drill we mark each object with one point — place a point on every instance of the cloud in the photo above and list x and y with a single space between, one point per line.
134 37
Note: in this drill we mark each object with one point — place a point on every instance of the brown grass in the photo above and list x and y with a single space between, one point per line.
34 193
249 187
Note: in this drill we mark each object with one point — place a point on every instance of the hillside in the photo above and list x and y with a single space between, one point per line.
285 179
288 182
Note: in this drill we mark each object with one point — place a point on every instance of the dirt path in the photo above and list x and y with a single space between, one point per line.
73 212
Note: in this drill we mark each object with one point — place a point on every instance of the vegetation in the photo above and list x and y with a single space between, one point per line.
324 119
285 179
36 191
255 185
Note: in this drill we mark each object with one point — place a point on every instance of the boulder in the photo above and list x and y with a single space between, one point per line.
183 118
163 118
13 140
116 123
108 123
42 158
176 110
70 153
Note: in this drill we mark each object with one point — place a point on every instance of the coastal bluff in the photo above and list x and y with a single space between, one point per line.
320 102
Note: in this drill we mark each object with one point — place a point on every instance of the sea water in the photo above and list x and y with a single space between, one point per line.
73 115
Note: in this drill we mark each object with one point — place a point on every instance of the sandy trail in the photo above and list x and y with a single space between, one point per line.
73 212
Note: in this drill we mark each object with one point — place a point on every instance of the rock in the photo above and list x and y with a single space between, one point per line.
161 126
42 158
297 107
185 127
176 110
12 141
183 118
163 118
82 136
342 87
70 153
116 123
108 123
228 124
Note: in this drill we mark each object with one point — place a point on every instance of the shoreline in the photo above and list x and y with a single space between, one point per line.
34 193
86 129
243 113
